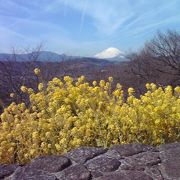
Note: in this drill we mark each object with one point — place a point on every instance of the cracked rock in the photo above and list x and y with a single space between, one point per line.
140 161
131 149
28 173
126 175
170 166
6 170
50 163
102 164
76 172
81 155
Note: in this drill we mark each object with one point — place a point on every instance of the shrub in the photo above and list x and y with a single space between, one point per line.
65 114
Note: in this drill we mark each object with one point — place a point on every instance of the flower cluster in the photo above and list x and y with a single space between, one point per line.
65 114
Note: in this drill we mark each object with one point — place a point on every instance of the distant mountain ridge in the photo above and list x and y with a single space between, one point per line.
48 56
38 56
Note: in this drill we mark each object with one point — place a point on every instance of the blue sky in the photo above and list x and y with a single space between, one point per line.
84 27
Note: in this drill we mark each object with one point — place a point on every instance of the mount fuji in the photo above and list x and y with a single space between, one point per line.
112 54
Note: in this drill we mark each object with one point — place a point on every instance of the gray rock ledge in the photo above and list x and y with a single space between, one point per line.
120 162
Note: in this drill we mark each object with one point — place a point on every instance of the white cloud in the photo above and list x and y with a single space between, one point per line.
107 16
112 16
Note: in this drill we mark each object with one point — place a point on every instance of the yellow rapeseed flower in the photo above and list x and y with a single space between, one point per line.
23 89
12 95
75 113
40 86
37 71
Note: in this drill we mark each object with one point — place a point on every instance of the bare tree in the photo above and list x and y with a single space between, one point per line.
165 48
159 60
17 70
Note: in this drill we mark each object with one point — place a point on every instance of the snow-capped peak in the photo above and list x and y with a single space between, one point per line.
109 53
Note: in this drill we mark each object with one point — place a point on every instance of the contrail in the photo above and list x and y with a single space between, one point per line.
83 14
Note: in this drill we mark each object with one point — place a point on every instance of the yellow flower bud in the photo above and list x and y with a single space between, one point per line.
118 86
37 71
177 89
23 89
110 79
5 125
49 146
58 147
102 83
130 91
12 95
94 83
34 135
40 86
26 156
32 151
48 134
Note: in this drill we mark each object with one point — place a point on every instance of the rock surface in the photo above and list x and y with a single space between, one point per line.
120 162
